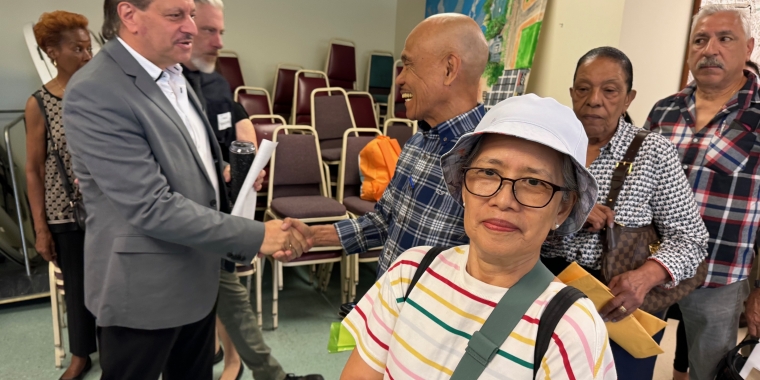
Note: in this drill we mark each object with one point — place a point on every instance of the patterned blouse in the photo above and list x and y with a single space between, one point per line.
57 206
656 191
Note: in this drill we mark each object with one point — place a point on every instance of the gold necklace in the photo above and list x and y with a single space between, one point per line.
63 89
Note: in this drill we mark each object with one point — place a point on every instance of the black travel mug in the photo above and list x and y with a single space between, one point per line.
241 159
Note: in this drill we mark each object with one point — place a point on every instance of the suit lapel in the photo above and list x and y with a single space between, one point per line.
216 151
148 86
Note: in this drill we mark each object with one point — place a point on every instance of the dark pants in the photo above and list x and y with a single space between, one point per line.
630 368
626 365
179 353
235 312
681 361
69 248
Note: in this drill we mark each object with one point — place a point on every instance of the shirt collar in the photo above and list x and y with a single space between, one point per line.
746 95
451 130
153 71
617 139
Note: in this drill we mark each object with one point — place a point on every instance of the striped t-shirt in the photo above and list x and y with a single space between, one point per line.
426 336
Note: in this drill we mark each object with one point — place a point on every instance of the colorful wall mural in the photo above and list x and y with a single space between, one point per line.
511 28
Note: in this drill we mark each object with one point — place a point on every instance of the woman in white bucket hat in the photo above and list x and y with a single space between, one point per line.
472 311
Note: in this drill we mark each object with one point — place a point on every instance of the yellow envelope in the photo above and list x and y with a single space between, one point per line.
634 332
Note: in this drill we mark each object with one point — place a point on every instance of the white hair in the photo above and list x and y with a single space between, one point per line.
742 13
215 3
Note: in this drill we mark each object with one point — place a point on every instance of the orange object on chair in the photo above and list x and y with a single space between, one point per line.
377 162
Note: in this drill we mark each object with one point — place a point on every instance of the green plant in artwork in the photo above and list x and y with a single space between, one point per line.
496 14
493 71
527 49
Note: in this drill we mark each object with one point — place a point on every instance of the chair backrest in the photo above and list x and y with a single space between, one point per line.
341 64
380 75
349 180
282 93
265 125
400 129
306 81
228 65
363 108
396 106
255 100
296 166
331 115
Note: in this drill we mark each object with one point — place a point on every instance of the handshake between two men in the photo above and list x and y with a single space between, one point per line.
284 240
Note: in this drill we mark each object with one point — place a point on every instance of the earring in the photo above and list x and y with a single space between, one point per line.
556 226
463 204
55 64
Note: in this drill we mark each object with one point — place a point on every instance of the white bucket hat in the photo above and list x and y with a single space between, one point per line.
541 120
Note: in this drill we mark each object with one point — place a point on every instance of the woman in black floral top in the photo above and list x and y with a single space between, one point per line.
63 36
655 192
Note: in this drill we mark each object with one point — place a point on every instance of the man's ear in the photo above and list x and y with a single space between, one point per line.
453 65
128 14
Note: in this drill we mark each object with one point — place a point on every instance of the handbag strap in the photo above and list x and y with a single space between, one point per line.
554 311
422 267
625 167
67 187
484 344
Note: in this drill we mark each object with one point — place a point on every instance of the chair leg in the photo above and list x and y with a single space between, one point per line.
326 278
279 277
320 275
327 179
57 343
259 274
248 284
354 279
275 291
343 279
312 274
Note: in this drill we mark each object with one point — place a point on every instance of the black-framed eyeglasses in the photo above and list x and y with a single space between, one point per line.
529 192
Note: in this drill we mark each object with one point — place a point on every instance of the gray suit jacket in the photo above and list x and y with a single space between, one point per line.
154 238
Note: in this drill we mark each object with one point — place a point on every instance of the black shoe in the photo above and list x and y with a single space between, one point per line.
219 356
291 376
87 368
240 372
346 308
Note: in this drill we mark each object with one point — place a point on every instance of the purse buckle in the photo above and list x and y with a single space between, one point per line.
654 247
630 165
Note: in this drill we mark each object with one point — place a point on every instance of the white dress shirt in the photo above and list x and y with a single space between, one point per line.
172 83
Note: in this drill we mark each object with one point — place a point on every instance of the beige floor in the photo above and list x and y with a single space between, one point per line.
663 370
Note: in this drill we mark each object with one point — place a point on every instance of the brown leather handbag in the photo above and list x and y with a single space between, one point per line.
626 248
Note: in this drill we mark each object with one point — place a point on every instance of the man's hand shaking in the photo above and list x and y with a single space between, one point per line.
287 239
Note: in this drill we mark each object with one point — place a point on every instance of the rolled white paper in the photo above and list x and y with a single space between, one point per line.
245 205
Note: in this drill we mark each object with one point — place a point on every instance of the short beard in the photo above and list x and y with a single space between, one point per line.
202 65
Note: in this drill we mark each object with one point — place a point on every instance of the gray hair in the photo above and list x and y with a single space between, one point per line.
214 3
568 171
708 10
111 20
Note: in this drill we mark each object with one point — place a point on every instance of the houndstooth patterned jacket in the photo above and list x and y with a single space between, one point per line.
656 191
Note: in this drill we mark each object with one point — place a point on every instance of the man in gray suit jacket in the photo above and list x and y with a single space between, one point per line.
150 171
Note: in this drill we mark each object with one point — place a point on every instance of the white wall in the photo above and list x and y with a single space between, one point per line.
267 32
656 43
409 13
263 32
570 29
653 33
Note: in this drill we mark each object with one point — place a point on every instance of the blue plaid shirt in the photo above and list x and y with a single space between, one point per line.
416 208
